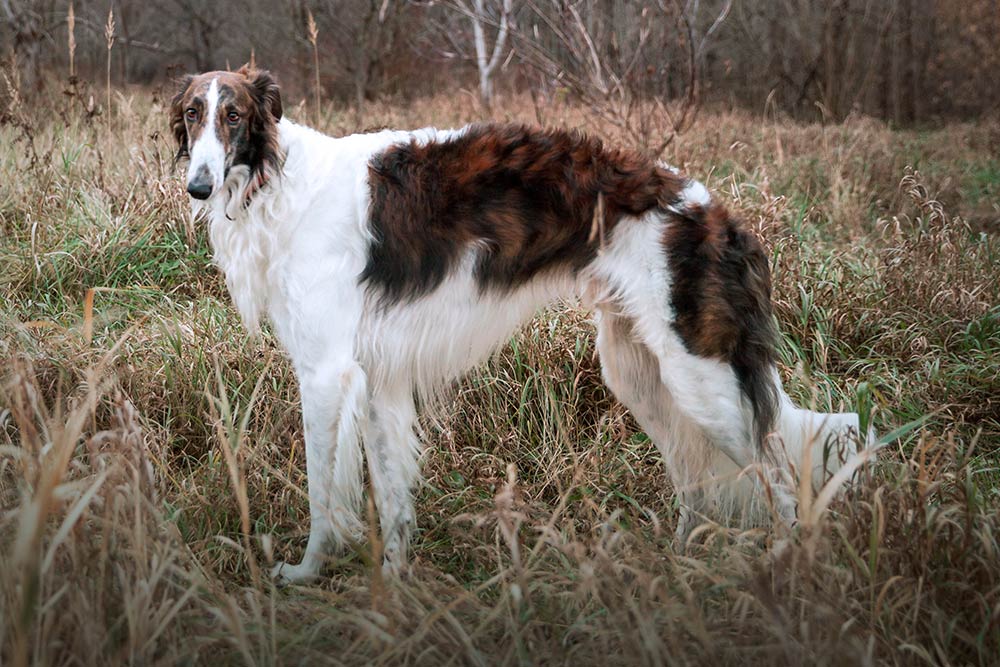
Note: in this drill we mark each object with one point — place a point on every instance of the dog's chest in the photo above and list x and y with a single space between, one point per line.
243 250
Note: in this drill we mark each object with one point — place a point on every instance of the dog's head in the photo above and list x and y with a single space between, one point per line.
223 120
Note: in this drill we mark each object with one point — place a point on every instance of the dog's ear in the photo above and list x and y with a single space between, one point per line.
177 125
267 155
265 92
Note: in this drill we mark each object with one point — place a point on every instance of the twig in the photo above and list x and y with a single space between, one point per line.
109 36
313 35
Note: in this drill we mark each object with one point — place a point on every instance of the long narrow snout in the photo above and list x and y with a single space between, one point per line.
206 171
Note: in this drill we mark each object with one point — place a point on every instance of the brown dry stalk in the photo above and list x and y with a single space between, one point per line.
109 36
71 40
313 35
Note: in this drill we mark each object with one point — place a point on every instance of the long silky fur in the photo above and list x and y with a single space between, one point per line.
390 263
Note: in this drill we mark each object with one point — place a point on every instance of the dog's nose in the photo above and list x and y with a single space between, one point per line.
200 189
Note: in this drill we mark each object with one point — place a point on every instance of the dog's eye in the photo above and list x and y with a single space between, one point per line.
191 114
233 117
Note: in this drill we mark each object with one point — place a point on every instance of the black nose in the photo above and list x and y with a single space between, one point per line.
200 189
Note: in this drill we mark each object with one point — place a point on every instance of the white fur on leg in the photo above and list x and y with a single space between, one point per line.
333 407
826 441
707 393
631 371
393 453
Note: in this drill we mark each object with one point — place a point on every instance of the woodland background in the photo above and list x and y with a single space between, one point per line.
905 61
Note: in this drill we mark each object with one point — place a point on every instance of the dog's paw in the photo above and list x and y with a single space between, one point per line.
286 574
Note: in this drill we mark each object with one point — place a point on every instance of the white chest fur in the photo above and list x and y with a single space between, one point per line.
242 248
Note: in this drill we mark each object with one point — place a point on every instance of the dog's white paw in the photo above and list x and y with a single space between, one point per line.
285 574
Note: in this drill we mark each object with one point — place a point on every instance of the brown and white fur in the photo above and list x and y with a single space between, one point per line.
391 263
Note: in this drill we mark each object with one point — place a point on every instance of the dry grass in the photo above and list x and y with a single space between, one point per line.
151 453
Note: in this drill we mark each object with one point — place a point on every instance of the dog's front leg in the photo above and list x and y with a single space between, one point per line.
334 403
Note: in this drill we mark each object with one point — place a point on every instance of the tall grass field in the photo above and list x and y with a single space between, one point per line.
152 462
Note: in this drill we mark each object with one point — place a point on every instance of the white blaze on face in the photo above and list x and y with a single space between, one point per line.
208 155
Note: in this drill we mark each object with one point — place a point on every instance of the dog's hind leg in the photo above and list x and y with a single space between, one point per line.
333 409
632 372
393 452
822 441
708 392
712 349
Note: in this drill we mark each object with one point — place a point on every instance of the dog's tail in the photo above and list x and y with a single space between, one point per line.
721 298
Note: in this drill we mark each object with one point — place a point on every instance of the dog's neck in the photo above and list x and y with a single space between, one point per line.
244 229
255 185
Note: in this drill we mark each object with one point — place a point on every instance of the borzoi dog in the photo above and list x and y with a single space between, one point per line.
390 263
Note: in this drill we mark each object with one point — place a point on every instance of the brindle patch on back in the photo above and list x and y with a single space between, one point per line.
526 197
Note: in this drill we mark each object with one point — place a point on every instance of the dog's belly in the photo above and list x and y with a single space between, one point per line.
435 339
